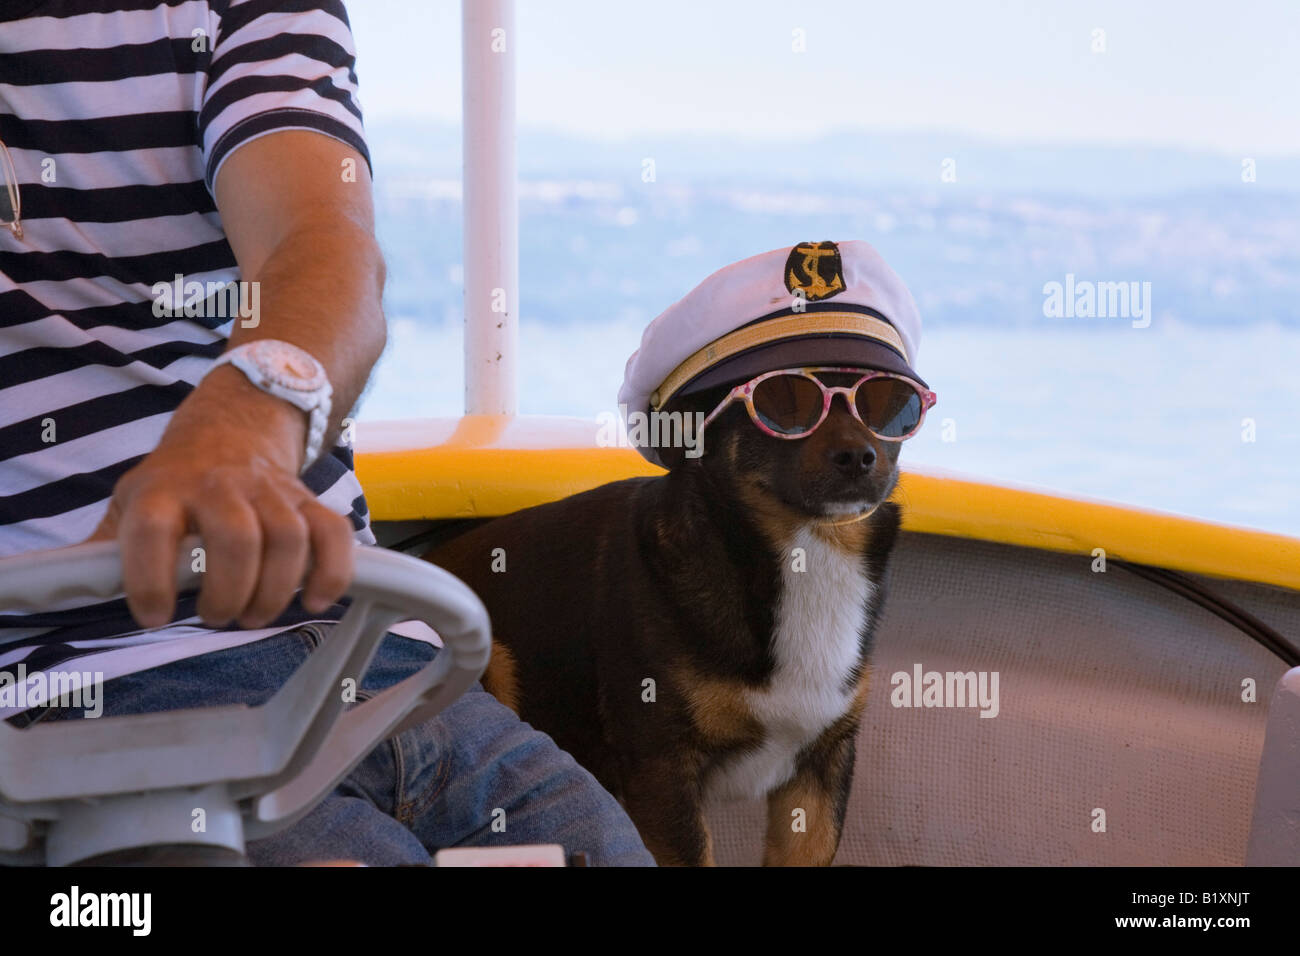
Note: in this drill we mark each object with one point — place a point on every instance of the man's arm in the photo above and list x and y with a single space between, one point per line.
227 465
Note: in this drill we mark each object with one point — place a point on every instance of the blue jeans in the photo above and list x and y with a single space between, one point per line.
440 784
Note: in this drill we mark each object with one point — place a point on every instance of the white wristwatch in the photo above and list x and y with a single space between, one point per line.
286 371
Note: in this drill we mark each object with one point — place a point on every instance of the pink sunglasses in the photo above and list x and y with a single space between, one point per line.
793 402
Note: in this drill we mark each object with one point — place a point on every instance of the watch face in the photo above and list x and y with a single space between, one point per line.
287 365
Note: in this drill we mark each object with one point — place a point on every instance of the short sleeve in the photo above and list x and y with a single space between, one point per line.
276 65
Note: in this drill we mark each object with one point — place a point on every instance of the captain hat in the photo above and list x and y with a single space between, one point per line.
819 303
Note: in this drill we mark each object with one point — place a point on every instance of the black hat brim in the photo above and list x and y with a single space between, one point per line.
851 351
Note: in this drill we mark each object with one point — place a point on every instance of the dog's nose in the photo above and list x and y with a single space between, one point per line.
853 458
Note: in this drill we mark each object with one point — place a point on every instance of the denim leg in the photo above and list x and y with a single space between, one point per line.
479 776
476 775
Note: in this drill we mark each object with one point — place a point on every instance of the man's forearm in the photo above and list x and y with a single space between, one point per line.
227 468
321 290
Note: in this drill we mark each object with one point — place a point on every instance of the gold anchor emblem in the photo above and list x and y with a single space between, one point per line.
815 269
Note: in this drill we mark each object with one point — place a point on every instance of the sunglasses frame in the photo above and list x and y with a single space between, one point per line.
745 392
10 175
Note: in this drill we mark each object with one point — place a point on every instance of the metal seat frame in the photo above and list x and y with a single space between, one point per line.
75 790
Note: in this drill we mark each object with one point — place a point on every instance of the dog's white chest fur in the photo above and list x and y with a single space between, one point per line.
820 617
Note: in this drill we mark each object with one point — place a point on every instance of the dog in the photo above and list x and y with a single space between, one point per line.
705 634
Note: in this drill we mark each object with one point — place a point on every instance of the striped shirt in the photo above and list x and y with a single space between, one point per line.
118 115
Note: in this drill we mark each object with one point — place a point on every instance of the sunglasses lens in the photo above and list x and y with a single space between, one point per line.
788 404
6 205
891 408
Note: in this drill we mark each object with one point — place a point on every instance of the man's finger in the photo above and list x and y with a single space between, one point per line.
332 549
286 548
232 544
149 535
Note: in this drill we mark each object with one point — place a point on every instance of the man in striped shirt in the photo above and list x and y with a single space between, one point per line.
163 146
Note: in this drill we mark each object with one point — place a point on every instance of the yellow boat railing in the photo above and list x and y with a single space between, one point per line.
483 466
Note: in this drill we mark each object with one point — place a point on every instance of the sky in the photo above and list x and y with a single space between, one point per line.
1214 76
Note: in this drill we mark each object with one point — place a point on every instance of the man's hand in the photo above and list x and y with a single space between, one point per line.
226 470
297 211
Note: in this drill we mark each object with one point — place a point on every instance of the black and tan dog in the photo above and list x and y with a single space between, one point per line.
706 633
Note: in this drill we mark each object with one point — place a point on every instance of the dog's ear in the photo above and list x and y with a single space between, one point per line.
695 407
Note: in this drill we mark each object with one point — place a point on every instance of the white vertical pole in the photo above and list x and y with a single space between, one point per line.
491 244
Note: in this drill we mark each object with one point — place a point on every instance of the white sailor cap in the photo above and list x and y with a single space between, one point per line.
819 303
